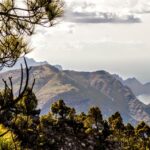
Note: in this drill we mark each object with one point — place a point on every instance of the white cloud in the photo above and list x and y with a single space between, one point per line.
106 11
120 48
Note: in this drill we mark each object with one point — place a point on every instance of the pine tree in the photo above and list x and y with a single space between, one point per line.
18 22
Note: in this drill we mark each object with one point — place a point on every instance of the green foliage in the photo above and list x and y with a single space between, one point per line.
116 122
28 103
96 118
63 128
143 130
59 108
6 141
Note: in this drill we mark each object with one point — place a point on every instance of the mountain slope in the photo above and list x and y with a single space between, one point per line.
136 86
83 90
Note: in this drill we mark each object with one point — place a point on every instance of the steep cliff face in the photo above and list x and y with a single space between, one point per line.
83 90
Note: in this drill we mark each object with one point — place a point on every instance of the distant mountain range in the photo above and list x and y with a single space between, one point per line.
30 62
136 86
83 90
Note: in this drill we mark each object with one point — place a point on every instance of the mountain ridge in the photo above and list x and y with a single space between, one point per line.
136 86
31 63
83 90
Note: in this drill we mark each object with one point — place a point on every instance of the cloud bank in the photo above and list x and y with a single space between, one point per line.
116 11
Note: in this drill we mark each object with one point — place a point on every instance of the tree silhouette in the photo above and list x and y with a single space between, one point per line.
60 109
17 22
96 118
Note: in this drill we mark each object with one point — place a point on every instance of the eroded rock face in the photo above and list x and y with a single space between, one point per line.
83 90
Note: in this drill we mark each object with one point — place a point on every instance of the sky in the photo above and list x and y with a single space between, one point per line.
99 35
